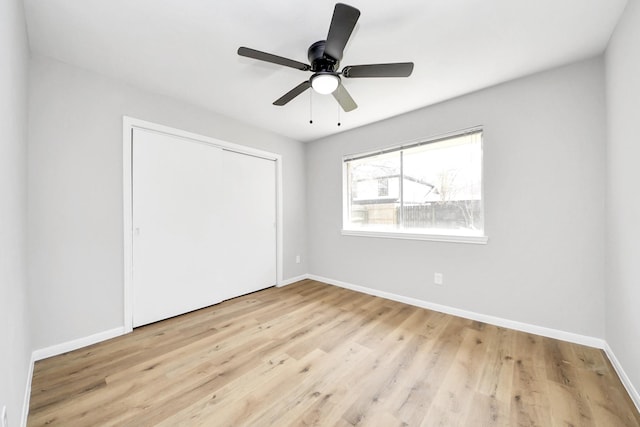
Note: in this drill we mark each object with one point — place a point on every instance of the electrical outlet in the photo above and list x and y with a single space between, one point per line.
437 278
297 259
3 419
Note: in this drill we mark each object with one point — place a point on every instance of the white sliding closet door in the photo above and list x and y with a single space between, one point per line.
204 225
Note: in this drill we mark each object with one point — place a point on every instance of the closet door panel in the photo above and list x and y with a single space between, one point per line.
249 216
203 222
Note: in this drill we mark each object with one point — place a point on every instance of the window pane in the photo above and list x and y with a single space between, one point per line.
442 186
432 188
374 191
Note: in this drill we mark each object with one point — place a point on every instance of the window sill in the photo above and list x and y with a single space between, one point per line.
449 238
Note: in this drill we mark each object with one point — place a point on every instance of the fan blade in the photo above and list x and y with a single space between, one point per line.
275 59
344 99
342 25
399 69
292 93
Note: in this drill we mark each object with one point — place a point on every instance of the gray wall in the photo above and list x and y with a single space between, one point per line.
623 203
544 146
15 350
75 193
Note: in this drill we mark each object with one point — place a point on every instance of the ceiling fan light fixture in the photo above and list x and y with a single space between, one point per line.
325 83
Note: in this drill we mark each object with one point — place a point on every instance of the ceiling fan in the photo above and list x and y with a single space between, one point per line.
325 57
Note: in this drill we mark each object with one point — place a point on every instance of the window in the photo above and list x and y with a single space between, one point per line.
430 189
383 187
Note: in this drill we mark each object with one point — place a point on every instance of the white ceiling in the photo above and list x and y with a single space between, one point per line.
186 49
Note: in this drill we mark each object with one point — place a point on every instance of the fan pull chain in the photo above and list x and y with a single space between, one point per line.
310 107
339 115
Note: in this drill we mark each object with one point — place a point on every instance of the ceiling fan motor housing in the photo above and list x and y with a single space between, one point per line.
319 61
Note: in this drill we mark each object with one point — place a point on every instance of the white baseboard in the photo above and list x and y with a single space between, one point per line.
57 349
27 393
635 396
292 280
497 321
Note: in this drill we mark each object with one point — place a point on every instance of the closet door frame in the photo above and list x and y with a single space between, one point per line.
128 125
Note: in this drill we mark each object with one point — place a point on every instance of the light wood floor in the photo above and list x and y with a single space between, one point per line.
314 354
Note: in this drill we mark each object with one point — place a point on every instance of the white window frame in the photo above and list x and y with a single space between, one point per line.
447 235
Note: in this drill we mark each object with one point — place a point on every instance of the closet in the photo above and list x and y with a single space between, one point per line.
203 223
